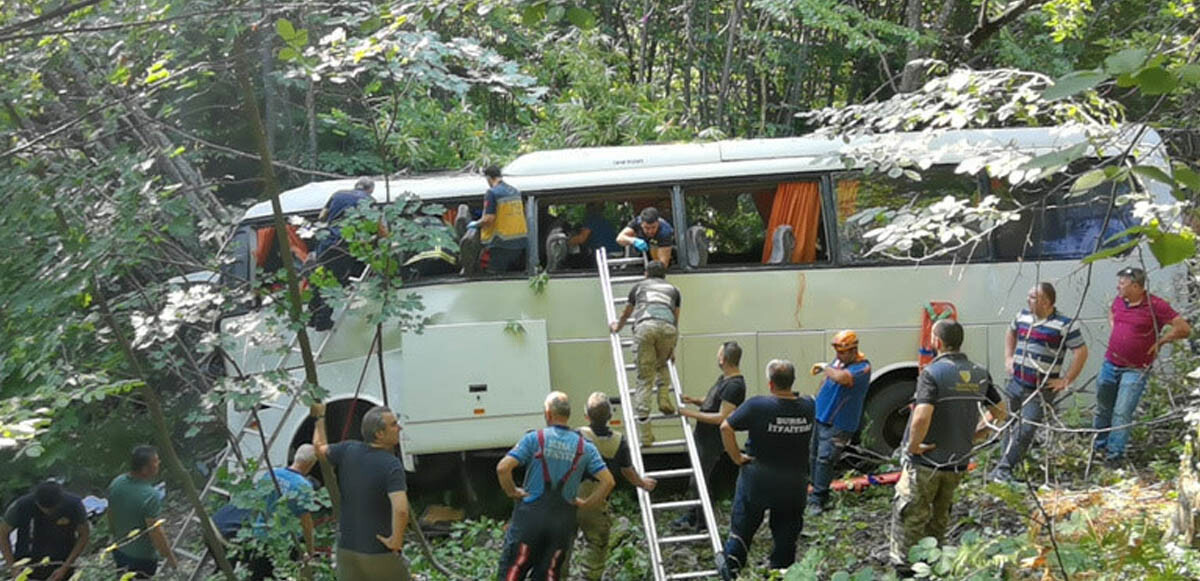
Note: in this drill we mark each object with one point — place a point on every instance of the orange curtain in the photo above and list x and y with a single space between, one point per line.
797 204
847 199
266 241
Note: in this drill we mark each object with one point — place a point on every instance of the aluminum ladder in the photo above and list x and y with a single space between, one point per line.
650 509
231 455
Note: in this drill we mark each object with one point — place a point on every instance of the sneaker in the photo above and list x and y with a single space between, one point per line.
1115 463
683 522
1001 475
666 401
814 509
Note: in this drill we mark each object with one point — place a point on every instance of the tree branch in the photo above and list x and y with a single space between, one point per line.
986 28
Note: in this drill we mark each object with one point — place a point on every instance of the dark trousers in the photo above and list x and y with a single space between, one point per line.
505 259
342 265
710 454
762 488
825 449
141 568
538 543
1019 435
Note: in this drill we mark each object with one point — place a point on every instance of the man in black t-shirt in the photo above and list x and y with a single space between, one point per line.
374 501
649 234
723 397
939 441
50 524
774 469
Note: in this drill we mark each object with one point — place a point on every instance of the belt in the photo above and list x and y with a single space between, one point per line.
961 468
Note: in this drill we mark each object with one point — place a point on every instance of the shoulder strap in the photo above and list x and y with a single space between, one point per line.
541 455
574 463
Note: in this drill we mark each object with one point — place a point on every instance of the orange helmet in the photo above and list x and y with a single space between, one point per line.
845 340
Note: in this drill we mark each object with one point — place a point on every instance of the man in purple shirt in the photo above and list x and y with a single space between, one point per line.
1137 319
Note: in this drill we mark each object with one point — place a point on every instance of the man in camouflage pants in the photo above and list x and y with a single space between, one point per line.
939 440
654 305
595 522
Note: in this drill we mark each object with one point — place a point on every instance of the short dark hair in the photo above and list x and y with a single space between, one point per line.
1047 290
656 269
950 333
599 409
141 457
649 215
372 423
781 373
732 352
48 494
492 171
1134 274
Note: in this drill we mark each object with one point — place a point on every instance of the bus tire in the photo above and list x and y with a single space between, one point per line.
885 417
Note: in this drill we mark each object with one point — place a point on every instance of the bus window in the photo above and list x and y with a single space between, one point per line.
744 223
865 202
572 232
1055 225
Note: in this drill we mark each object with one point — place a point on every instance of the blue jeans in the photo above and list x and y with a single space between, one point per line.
1118 391
1019 435
825 451
760 488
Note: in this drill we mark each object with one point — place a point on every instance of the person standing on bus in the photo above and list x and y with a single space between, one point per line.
544 520
1034 349
374 498
1137 319
839 409
649 233
502 228
332 252
595 521
654 305
774 468
723 397
939 440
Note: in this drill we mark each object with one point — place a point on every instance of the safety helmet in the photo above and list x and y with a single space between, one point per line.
845 340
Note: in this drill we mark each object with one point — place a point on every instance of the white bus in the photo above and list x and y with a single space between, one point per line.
467 384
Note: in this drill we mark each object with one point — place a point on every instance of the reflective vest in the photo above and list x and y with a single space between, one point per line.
509 228
607 446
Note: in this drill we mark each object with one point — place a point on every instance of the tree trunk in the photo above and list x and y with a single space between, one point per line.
726 70
914 70
690 48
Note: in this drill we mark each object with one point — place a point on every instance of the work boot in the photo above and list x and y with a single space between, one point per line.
1001 475
645 434
666 401
814 508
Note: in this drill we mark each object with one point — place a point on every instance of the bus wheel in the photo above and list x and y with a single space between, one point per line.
885 417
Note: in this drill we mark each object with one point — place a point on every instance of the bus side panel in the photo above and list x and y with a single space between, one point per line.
802 347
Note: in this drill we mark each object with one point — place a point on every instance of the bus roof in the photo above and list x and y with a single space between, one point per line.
546 172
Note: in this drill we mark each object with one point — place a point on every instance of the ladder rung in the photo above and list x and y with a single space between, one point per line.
653 417
189 555
627 342
674 504
625 279
666 444
694 574
683 539
672 473
620 300
630 366
251 431
219 490
273 405
630 260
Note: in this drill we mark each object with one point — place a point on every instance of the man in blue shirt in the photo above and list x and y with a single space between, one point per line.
544 520
774 469
839 408
332 253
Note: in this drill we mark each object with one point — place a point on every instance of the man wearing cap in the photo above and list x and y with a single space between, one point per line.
1034 349
595 521
332 252
51 525
502 228
939 440
839 408
654 305
773 468
648 232
544 518
1137 319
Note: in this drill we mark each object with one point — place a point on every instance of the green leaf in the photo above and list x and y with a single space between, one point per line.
1072 83
288 53
1189 73
1188 178
581 18
1171 248
533 14
1154 173
1110 252
1126 61
1088 180
1155 80
1059 158
284 27
1131 231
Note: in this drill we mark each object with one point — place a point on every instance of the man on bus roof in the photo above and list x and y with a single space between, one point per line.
649 232
502 228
